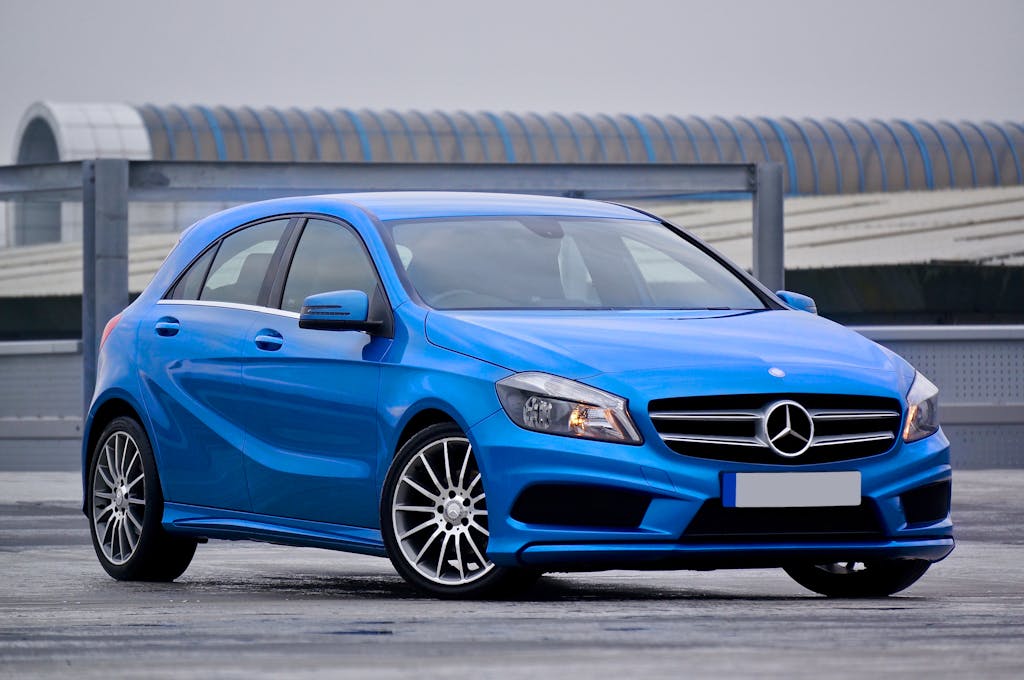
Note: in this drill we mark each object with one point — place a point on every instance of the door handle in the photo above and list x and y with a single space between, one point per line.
268 339
167 326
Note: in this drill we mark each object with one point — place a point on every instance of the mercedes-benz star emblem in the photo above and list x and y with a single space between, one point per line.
788 427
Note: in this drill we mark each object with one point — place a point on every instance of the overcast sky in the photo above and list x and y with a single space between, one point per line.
856 58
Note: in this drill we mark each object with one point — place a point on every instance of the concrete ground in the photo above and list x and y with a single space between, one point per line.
248 610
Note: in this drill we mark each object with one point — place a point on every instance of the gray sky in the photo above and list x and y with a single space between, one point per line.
857 58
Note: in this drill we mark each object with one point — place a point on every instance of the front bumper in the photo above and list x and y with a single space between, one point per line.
513 460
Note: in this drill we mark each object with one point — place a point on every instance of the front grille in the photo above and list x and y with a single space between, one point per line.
716 524
733 428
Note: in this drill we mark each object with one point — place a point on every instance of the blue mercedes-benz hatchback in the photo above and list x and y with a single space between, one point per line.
487 387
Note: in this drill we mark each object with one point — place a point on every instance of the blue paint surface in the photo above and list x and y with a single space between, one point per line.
265 430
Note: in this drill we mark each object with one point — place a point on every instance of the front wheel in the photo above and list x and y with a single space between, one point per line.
434 519
859 579
126 506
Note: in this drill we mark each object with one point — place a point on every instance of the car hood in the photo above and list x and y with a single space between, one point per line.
583 344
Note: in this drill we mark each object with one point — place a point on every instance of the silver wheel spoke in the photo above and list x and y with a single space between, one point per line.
137 523
109 452
476 550
118 505
115 537
465 462
418 527
415 508
447 467
442 538
419 488
119 445
127 535
430 472
440 557
458 557
103 475
131 465
429 542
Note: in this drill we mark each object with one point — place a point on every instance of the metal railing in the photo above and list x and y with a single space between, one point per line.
979 370
107 186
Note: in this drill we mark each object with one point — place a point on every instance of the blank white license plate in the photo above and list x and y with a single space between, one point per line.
790 489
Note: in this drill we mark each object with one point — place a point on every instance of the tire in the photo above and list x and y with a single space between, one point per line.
125 508
859 579
434 520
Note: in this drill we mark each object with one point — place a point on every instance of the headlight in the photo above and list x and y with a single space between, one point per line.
922 409
547 403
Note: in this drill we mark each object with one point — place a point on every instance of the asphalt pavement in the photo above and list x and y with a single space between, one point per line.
254 610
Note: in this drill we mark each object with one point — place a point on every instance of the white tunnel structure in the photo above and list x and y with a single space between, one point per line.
818 156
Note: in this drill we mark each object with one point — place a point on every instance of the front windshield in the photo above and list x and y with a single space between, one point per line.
535 262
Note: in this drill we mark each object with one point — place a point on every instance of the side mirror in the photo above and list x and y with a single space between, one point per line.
798 301
337 310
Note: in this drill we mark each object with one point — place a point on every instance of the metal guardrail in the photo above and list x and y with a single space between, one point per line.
960 359
979 369
106 187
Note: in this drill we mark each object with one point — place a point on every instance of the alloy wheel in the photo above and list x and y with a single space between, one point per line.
439 513
119 498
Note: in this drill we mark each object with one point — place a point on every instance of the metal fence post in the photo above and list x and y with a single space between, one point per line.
104 256
769 239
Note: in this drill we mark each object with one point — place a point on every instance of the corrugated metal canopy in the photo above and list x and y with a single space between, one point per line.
983 226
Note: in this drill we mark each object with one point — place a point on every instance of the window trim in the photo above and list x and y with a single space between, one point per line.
380 301
262 298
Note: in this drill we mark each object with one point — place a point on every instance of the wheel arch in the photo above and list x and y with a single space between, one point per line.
423 418
103 412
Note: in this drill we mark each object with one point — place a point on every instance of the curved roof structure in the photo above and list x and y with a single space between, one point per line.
818 156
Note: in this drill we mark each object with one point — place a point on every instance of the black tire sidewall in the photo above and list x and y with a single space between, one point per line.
878 579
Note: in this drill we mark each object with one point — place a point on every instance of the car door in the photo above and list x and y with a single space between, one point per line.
312 435
190 348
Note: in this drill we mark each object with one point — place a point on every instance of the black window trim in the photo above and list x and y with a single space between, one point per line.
215 246
380 304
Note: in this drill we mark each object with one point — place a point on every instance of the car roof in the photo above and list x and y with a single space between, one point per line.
398 205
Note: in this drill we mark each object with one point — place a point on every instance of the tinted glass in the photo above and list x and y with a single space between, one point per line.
241 264
191 282
558 262
329 257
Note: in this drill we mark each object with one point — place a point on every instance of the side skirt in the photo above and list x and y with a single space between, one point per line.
202 522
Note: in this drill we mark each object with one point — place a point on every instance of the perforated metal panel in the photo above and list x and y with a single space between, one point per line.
40 394
986 446
38 385
969 371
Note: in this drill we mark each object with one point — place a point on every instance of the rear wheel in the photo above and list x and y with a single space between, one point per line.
859 579
126 506
435 522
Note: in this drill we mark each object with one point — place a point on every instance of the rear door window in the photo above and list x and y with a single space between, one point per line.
240 267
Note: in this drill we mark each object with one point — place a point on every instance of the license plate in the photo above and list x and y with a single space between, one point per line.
790 489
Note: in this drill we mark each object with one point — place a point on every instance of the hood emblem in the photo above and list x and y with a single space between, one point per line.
788 428
777 372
